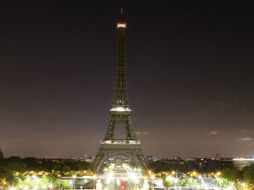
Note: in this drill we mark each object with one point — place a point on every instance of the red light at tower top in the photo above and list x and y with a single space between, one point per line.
121 25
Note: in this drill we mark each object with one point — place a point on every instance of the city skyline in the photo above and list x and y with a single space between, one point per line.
190 70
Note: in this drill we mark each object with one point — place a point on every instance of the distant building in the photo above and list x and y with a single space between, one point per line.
240 163
151 158
89 159
175 158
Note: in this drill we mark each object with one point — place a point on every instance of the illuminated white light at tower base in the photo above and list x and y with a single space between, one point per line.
131 174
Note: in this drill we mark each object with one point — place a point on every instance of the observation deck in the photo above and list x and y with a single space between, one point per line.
121 142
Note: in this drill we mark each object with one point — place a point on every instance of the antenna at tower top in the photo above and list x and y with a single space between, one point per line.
122 17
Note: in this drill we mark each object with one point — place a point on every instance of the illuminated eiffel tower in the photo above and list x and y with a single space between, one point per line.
113 149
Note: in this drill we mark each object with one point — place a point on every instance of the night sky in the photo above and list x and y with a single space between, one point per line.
190 76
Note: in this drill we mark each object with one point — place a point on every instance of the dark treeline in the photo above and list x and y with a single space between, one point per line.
30 163
25 164
199 165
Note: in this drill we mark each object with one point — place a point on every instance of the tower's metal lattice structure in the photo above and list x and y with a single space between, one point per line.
129 147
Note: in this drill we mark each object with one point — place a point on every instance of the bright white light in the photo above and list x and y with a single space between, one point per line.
120 109
176 180
243 159
158 182
35 177
169 178
109 177
51 186
231 187
118 181
133 177
123 178
121 25
111 167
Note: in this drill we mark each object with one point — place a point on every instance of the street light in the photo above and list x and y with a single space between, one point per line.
94 178
152 178
74 177
51 186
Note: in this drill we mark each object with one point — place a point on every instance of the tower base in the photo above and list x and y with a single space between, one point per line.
119 152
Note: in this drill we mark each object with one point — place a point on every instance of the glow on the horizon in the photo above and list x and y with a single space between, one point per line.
243 159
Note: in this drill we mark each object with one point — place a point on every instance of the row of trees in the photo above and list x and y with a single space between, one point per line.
30 163
228 171
9 167
24 164
247 174
229 177
201 166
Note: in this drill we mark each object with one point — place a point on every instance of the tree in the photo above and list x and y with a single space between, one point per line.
31 163
248 174
231 174
188 166
7 176
163 165
15 164
212 166
1 155
66 168
168 181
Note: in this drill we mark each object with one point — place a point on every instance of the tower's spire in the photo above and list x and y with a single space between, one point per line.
122 15
120 96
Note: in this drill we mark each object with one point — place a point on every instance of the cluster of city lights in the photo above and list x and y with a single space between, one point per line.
33 183
194 180
122 175
127 175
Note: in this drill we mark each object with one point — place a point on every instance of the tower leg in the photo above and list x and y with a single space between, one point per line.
130 131
132 153
110 130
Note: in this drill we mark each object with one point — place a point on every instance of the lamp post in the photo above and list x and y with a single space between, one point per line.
74 177
151 176
94 178
217 176
175 177
51 186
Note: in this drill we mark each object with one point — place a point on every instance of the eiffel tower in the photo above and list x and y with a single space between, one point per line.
126 149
